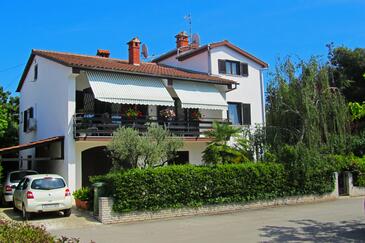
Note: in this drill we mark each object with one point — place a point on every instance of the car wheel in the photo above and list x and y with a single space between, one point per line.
67 212
26 215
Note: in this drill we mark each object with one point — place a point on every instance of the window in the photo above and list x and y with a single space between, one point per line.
239 114
35 72
234 113
232 67
27 115
48 183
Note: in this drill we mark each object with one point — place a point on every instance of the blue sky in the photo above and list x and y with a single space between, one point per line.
268 29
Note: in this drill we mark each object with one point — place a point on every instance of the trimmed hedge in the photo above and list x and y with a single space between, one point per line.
188 185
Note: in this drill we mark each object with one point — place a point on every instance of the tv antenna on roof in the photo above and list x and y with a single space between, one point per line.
188 19
144 51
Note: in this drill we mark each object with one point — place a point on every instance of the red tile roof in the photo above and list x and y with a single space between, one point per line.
31 144
117 65
193 52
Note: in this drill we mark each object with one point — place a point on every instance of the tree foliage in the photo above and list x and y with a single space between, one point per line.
357 110
9 110
348 67
302 108
156 147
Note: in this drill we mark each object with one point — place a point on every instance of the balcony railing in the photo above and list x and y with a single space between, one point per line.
94 125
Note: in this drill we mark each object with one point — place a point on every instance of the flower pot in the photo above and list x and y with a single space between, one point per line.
82 204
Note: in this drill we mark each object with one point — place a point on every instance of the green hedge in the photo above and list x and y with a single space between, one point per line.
188 185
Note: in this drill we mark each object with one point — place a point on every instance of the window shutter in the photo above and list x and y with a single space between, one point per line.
221 66
25 121
238 65
35 72
31 115
246 114
244 69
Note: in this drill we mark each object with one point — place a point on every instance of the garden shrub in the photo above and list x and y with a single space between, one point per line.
358 171
188 185
308 171
22 232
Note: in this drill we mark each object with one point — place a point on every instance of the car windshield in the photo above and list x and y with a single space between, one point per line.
47 183
15 177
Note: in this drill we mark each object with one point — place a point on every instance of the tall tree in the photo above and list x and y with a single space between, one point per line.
302 108
348 67
9 110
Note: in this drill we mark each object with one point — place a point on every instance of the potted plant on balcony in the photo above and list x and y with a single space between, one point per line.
82 197
133 114
168 114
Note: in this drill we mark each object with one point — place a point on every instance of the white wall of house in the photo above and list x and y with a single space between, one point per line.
195 149
198 63
249 89
53 97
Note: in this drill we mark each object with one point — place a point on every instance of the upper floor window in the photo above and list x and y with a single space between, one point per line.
232 67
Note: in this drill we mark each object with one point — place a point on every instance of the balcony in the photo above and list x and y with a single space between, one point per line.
100 125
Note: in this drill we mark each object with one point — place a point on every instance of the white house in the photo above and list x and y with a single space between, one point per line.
70 104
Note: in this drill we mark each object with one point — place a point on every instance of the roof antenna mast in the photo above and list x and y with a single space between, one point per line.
188 19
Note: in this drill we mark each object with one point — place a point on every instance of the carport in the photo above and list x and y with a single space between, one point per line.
43 151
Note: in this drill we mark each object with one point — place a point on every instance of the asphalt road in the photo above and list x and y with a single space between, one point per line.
342 220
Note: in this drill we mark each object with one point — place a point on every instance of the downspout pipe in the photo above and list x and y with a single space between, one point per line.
262 94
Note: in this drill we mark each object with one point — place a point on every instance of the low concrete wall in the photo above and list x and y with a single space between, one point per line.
108 216
354 191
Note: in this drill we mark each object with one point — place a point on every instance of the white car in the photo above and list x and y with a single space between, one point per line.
11 181
42 193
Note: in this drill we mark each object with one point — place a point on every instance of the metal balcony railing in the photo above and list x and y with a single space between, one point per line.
87 125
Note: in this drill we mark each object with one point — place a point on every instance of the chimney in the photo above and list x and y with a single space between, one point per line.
134 52
182 40
103 53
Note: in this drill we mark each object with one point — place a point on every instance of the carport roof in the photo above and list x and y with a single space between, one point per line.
31 144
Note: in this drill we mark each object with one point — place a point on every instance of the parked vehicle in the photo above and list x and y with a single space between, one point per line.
10 182
42 193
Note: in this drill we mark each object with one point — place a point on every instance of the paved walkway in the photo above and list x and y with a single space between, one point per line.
55 221
342 220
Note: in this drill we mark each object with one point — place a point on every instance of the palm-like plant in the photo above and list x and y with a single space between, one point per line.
218 151
222 132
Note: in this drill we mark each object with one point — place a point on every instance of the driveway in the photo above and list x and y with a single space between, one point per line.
54 221
342 220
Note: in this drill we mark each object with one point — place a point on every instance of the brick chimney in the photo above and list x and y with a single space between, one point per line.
103 53
182 40
134 51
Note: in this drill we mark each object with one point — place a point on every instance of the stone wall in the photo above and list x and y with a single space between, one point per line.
108 216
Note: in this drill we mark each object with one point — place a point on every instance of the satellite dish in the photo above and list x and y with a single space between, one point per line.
144 51
196 39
